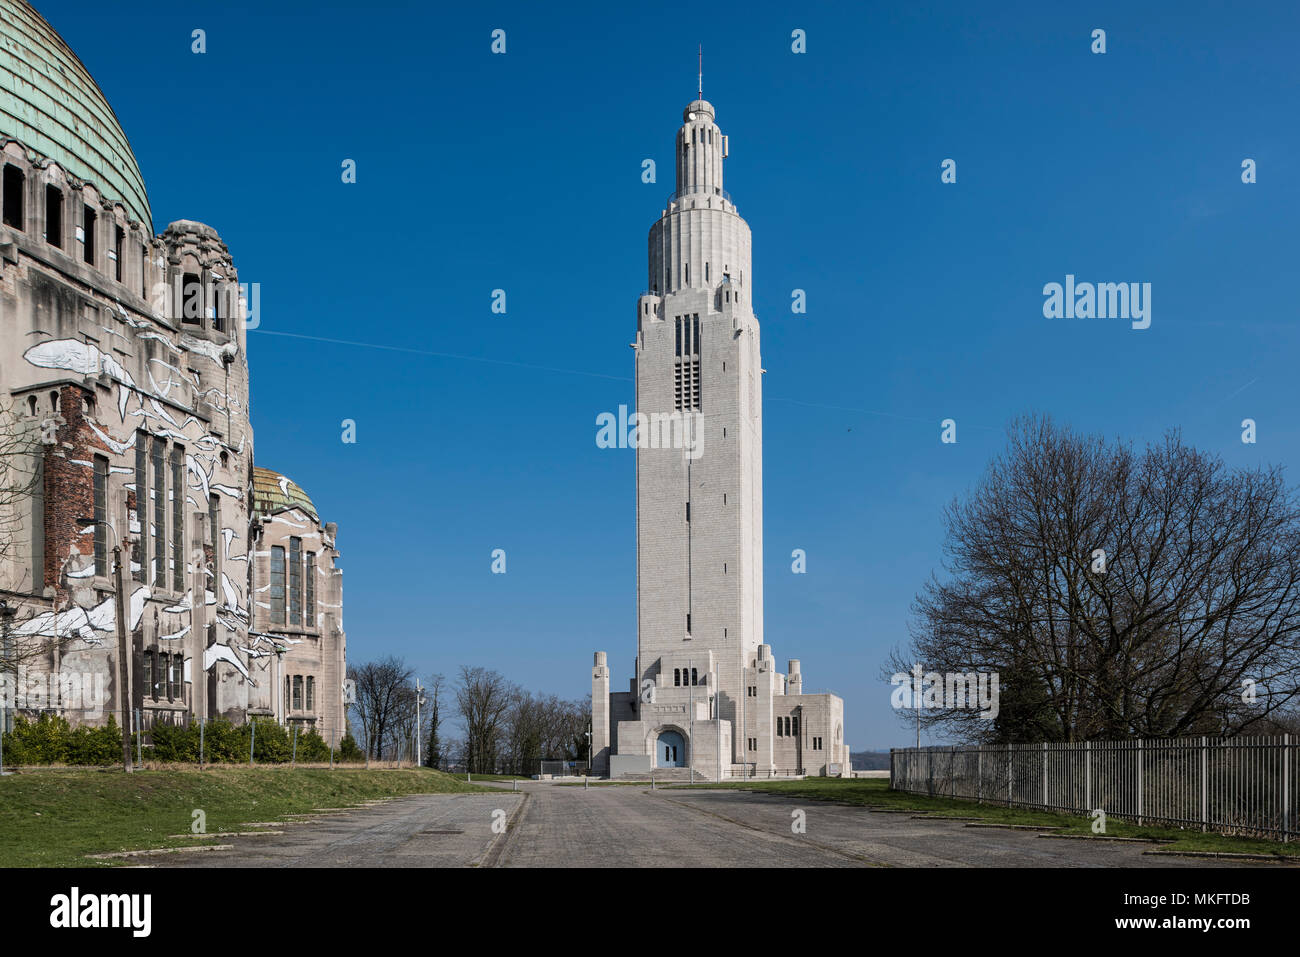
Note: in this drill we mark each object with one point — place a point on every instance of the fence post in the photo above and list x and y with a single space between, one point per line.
1087 775
1139 782
952 772
1008 775
202 722
1044 774
1286 788
1205 783
979 776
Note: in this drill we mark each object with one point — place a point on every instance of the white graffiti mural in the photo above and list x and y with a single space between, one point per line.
91 625
152 406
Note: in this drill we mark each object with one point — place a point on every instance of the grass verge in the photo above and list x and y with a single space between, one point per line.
875 792
55 818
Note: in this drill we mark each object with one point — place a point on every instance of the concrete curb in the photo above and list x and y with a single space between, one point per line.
1229 856
1102 837
150 852
1019 827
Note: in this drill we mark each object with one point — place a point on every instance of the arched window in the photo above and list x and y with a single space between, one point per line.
695 678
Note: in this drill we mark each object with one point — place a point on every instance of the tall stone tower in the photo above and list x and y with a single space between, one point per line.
706 698
700 511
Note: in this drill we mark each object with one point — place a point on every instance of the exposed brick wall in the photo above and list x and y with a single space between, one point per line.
70 487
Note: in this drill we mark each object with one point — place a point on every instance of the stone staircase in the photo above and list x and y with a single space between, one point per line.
662 775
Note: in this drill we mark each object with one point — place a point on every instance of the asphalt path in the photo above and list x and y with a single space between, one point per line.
550 825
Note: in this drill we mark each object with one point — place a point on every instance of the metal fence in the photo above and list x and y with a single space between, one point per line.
1241 786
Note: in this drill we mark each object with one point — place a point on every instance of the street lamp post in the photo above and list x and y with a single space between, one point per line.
123 649
6 616
419 728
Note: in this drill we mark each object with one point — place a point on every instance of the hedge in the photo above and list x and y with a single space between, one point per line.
51 740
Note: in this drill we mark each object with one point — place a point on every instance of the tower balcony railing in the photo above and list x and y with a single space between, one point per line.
699 191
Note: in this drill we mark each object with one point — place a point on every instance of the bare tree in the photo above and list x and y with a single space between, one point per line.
435 749
483 698
21 454
384 696
1125 593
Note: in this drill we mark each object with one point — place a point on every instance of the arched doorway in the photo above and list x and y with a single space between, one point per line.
670 750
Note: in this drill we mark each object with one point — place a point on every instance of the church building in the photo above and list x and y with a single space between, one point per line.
126 440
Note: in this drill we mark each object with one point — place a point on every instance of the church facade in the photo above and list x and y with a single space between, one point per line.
707 697
125 431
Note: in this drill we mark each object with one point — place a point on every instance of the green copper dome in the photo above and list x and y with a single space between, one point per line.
273 491
50 103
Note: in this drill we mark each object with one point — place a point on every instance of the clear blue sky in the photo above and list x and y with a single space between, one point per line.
522 172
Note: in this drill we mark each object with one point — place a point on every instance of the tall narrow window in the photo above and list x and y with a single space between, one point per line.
295 581
119 242
54 216
101 516
177 683
144 265
309 602
219 307
13 196
686 369
178 520
191 299
311 693
158 516
214 535
677 677
148 689
297 692
277 584
88 234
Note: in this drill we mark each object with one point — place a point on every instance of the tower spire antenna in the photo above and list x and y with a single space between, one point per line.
701 87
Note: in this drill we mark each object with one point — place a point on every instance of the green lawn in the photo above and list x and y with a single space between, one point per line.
55 818
874 792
